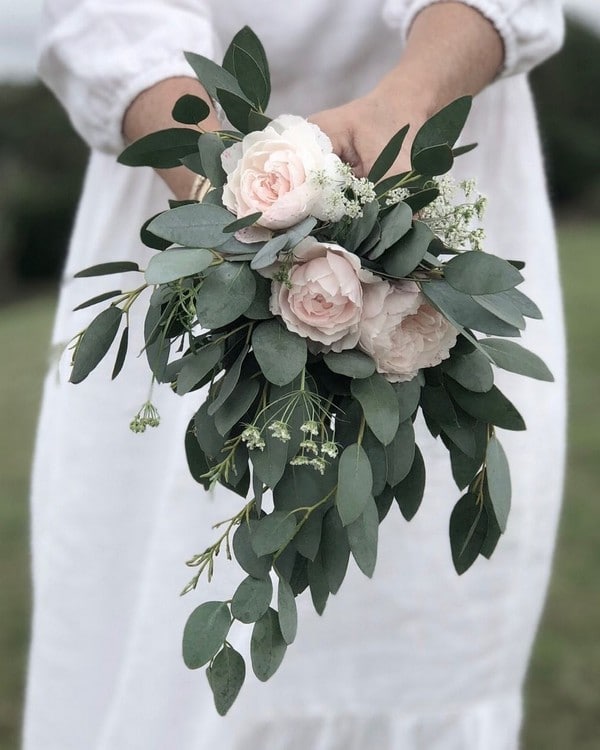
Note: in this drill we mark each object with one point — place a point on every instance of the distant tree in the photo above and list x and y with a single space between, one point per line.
42 162
567 92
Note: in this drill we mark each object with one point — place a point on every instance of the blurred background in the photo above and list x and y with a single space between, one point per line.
39 151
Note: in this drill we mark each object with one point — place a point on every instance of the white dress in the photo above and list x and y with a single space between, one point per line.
418 657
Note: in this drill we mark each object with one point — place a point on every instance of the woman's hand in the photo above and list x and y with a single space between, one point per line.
151 111
452 50
360 130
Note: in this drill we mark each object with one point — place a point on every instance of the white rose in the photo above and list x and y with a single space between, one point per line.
285 171
401 331
324 299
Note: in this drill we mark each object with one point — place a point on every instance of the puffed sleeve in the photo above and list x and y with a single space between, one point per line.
531 30
98 55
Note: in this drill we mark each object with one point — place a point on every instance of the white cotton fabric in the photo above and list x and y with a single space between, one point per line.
417 658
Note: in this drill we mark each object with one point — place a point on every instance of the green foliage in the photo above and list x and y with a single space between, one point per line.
226 674
280 353
162 150
205 632
95 343
267 646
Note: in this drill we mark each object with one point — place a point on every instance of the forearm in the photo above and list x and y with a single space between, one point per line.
451 51
151 111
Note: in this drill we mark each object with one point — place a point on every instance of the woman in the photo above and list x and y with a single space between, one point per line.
415 658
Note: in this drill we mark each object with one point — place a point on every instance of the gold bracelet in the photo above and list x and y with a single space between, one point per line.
200 188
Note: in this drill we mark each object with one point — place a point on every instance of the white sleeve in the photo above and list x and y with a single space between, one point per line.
98 55
531 30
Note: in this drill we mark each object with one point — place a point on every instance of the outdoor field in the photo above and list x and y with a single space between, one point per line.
563 696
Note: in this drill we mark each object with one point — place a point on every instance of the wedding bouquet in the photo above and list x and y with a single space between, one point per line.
322 313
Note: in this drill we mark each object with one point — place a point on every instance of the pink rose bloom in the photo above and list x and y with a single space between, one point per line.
324 301
287 171
401 331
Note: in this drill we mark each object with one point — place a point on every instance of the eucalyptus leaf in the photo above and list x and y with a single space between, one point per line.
472 370
207 435
243 223
335 550
252 77
408 395
176 263
379 403
404 256
269 252
384 501
319 590
308 537
498 481
99 298
464 467
204 633
433 160
225 294
394 225
267 646
104 269
388 156
193 225
476 272
400 454
527 307
162 149
236 108
226 675
272 532
158 345
281 354
437 405
376 453
492 407
210 149
196 460
190 110
251 599
511 356
197 366
249 561
468 529
287 611
502 307
259 307
443 127
236 405
299 231
213 76
362 226
121 353
355 483
352 363
409 492
228 382
461 308
363 537
95 343
418 201
494 533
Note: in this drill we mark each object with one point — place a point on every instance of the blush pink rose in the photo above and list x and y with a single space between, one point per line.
324 299
275 171
401 331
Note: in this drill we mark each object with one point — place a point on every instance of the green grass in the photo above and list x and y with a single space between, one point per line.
564 683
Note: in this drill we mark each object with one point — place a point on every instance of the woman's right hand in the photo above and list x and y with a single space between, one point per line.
151 111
